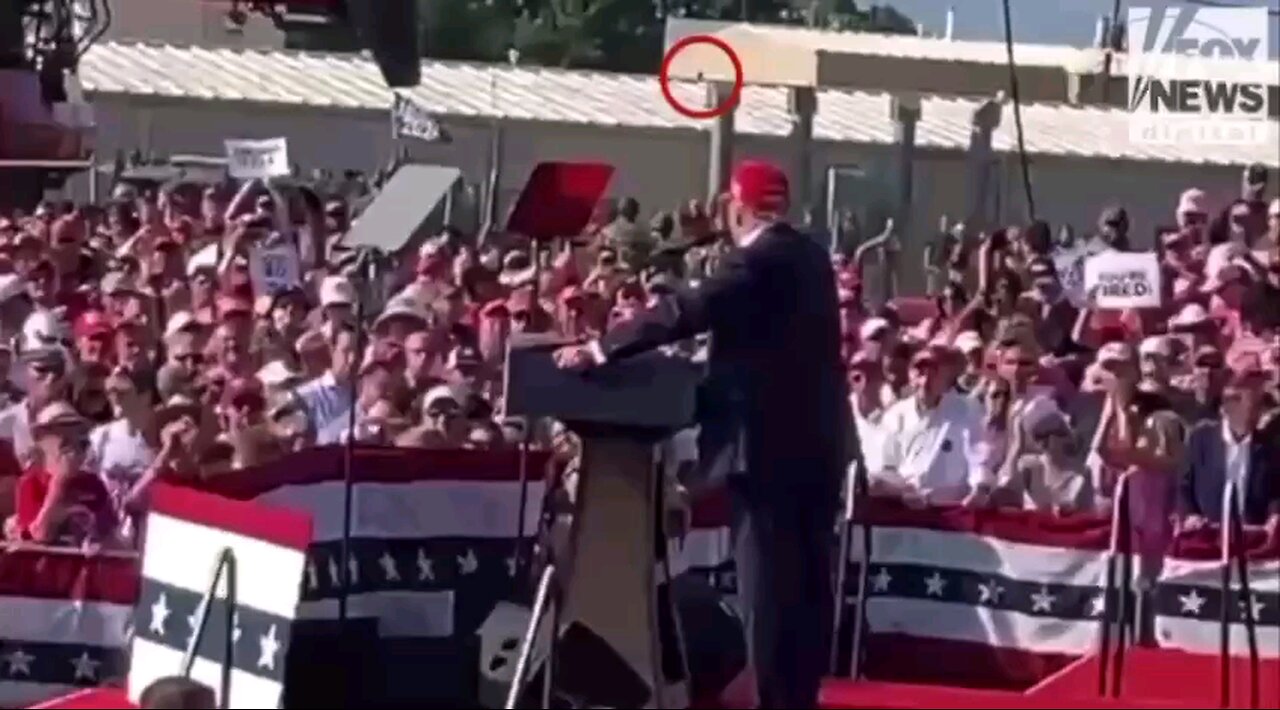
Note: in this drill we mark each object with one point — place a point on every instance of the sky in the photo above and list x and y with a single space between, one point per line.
1039 21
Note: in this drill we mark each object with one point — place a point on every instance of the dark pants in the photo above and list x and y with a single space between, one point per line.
782 545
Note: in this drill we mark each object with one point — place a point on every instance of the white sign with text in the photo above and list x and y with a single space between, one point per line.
1123 279
249 159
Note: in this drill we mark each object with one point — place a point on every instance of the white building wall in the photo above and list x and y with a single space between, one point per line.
662 169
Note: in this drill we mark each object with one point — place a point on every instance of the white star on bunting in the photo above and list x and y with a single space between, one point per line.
1192 603
468 564
19 662
1255 605
424 567
511 566
335 576
1042 601
313 576
353 565
193 621
934 584
86 668
270 646
236 631
389 568
880 583
1098 605
159 614
990 593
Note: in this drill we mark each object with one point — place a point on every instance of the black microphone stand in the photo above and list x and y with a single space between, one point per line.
366 268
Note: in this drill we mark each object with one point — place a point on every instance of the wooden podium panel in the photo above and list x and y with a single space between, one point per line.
614 585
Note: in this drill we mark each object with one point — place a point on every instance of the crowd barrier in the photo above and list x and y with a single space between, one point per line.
1006 597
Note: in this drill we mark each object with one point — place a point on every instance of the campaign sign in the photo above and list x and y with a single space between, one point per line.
1123 279
249 159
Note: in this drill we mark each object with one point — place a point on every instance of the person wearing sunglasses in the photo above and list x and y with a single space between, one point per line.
46 382
58 502
1045 470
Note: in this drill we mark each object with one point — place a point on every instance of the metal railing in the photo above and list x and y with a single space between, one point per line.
1116 594
225 562
1233 553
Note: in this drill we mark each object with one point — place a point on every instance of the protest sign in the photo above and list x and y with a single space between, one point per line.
412 120
274 267
1124 279
249 159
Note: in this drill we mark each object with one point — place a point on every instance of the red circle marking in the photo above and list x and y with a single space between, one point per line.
664 77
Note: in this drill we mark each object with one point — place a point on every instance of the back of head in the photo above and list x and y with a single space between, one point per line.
177 693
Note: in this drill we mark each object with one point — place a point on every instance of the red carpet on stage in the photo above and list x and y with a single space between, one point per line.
1152 678
1163 676
90 699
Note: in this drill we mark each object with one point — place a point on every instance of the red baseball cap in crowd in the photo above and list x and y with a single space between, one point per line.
244 391
92 324
496 308
230 304
571 296
760 187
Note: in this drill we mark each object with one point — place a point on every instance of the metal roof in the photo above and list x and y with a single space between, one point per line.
605 99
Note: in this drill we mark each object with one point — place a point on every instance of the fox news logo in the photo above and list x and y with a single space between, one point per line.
1181 89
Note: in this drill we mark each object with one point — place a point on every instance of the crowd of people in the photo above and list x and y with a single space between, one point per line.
162 336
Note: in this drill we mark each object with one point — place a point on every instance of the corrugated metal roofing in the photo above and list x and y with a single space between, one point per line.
605 99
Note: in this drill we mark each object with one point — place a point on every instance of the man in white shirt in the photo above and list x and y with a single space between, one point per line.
935 446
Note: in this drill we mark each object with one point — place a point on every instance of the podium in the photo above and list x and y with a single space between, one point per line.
617 641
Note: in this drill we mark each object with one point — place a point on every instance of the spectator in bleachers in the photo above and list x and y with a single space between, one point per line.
936 449
58 502
1239 448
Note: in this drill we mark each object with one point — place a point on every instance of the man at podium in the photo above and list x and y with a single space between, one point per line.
774 425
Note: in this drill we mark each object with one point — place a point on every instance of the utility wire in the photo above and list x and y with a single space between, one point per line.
1017 110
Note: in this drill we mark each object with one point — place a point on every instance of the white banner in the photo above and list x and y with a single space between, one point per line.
412 120
1124 279
249 159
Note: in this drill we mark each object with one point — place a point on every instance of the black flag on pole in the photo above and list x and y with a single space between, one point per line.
411 119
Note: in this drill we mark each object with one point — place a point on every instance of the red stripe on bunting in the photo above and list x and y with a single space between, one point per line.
376 464
280 526
1084 532
42 573
1206 544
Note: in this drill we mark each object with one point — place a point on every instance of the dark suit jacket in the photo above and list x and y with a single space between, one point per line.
775 384
1204 479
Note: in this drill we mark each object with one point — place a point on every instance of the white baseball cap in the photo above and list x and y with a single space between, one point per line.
337 291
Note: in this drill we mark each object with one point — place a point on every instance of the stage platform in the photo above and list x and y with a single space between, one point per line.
1166 676
1153 678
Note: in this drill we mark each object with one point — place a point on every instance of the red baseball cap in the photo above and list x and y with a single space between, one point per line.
244 390
230 304
91 324
760 187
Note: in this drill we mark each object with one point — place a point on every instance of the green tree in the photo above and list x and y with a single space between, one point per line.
615 35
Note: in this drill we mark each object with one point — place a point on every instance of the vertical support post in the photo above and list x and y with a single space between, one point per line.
904 111
802 102
980 160
720 145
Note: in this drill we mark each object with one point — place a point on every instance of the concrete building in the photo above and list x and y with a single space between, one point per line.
334 111
786 55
